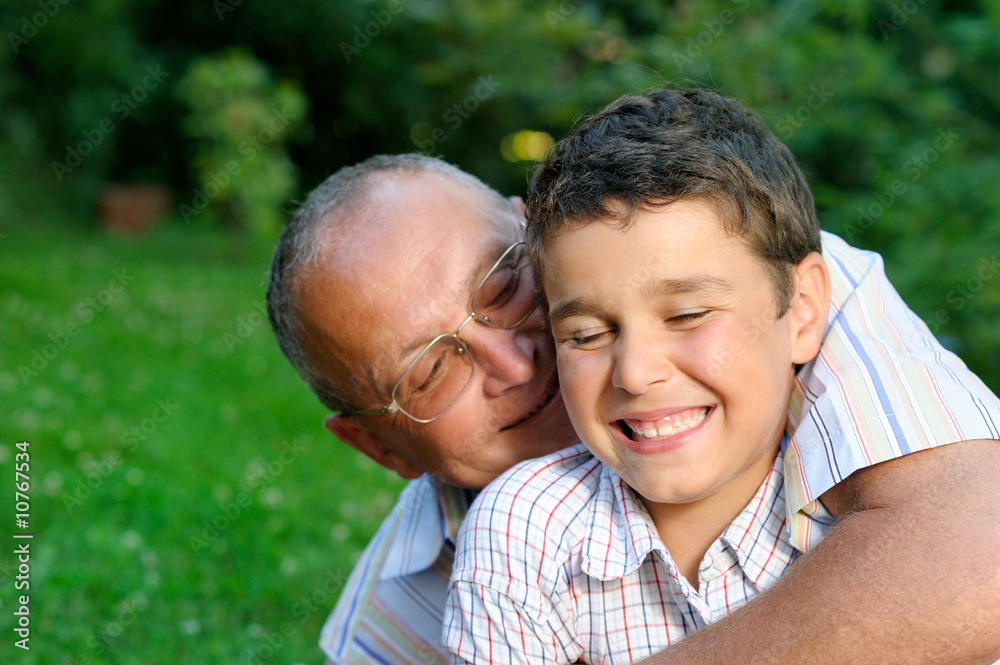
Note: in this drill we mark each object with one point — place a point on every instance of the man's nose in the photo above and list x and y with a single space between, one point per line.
507 358
641 361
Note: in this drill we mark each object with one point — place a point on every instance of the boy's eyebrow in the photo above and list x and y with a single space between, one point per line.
656 288
703 284
574 307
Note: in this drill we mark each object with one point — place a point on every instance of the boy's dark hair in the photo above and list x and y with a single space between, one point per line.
642 152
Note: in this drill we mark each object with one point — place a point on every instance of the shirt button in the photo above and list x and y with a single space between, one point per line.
720 563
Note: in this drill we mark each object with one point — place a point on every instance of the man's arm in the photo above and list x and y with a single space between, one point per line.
909 574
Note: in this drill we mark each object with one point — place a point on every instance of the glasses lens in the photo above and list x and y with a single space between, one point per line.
507 295
435 380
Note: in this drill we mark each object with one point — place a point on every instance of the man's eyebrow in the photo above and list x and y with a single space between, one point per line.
489 252
487 257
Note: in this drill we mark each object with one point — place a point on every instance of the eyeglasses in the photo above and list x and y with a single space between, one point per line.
443 370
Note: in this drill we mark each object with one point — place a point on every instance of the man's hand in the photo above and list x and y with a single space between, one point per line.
910 574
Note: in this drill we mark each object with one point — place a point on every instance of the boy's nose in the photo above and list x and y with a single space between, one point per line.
640 363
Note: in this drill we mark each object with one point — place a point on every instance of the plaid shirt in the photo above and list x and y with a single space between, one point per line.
881 387
559 561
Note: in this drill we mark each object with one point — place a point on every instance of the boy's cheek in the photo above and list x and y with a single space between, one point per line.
579 389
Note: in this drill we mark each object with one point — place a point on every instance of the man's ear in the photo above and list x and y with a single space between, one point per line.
810 304
517 205
353 434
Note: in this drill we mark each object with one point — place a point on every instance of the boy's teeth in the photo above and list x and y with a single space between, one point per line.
649 430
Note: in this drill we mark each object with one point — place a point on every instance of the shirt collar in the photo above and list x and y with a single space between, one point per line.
758 535
426 516
620 533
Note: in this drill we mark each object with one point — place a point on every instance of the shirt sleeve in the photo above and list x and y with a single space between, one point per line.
881 387
511 595
484 626
385 614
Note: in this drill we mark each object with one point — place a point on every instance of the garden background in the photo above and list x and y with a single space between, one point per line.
185 503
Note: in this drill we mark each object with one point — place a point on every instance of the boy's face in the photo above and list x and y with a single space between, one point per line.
674 367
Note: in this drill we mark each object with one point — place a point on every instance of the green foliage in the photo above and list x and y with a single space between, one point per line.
66 66
240 119
186 502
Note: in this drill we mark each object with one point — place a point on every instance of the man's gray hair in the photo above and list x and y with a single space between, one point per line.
313 231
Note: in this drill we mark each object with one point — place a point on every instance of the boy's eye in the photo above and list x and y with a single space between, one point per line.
583 339
687 317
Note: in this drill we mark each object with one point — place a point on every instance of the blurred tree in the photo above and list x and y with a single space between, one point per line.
240 119
890 106
70 70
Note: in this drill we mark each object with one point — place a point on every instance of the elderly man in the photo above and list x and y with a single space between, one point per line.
401 293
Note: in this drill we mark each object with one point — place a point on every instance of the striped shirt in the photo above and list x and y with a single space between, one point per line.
390 610
881 387
559 561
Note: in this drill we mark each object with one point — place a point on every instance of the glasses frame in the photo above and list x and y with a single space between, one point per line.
393 406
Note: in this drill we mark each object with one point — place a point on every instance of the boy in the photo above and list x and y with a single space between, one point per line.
677 246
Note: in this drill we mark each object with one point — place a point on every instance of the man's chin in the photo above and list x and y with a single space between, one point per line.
548 426
455 474
546 436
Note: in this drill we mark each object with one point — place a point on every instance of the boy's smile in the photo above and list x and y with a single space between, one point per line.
667 430
674 365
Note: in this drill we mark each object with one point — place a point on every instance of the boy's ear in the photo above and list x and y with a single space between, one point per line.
810 304
365 441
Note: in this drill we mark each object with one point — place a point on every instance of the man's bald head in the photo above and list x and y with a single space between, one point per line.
337 221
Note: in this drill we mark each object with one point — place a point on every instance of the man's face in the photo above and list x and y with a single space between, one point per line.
674 367
404 275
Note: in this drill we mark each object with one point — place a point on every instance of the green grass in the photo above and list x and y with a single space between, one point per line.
123 566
